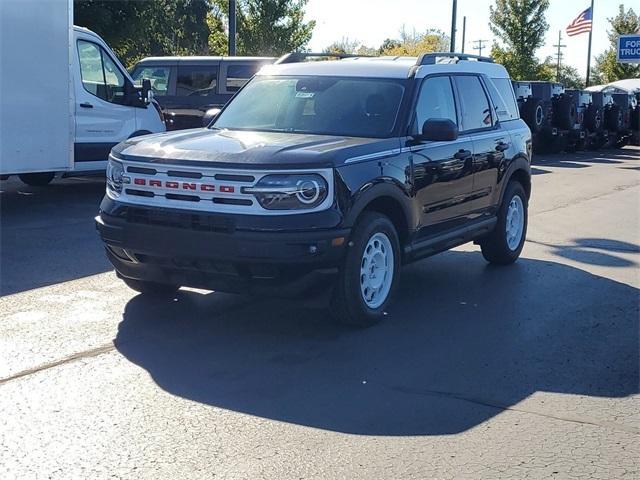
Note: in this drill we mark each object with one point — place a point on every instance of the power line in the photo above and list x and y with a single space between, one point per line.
479 46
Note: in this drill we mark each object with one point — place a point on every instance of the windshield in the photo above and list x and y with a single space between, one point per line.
355 107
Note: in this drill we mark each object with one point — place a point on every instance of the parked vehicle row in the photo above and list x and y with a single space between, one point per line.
567 119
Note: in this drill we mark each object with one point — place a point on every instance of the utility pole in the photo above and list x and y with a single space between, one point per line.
560 46
480 46
589 52
454 15
464 31
232 28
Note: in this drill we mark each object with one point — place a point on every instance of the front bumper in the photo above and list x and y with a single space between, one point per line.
206 251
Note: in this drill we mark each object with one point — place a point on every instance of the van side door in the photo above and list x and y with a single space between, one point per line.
103 117
441 171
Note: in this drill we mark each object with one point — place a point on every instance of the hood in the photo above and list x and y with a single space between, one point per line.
248 148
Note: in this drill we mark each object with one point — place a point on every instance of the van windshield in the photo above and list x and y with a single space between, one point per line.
356 107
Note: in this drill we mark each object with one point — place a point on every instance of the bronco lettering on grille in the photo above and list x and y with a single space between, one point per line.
205 187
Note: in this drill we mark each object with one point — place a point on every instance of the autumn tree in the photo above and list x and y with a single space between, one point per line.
520 27
414 44
607 69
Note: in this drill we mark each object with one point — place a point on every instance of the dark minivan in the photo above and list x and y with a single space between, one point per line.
186 87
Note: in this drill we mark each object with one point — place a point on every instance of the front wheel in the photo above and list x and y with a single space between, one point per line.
369 275
504 244
150 288
39 179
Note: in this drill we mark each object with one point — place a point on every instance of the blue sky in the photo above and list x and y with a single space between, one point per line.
371 21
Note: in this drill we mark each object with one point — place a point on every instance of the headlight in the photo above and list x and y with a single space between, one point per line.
115 172
289 192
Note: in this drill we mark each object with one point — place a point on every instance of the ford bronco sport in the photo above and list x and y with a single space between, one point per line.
354 166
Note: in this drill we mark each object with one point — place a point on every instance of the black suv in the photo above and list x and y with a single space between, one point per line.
352 167
186 87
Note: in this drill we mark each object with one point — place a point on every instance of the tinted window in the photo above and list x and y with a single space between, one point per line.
159 77
474 105
100 75
238 75
317 105
435 101
501 90
197 80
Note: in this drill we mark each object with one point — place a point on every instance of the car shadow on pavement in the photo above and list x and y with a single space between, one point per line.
595 251
463 342
47 234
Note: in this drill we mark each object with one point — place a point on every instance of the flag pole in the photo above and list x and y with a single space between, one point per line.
593 19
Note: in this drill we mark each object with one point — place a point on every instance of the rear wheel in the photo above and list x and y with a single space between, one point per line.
504 245
150 288
39 179
533 114
369 275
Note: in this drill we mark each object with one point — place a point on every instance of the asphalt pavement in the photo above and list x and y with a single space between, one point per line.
479 372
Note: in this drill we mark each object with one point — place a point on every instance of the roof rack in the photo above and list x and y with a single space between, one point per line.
295 57
432 58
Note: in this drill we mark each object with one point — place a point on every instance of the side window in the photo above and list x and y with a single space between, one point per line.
238 75
501 90
100 75
159 77
114 80
91 69
474 106
197 80
435 101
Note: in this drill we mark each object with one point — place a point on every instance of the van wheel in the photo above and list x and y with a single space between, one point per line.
369 275
150 288
37 179
504 244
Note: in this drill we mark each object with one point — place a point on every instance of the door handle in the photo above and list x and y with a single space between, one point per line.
502 146
86 105
462 154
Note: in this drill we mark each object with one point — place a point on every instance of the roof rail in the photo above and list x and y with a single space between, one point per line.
432 58
295 57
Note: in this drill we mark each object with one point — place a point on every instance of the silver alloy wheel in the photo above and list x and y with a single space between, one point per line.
515 222
376 270
539 116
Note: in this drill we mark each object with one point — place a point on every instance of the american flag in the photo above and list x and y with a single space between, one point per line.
582 24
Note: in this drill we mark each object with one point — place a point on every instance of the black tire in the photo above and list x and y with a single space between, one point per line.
495 248
564 112
613 118
150 288
635 119
347 304
37 179
532 112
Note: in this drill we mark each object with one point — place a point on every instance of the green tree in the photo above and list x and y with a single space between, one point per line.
138 29
569 76
520 26
343 46
269 27
607 69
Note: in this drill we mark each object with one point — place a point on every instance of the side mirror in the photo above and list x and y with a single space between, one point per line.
147 93
209 116
439 130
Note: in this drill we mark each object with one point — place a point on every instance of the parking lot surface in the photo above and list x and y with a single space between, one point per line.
528 371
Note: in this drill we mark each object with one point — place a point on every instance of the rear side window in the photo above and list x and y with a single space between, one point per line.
474 105
435 101
238 75
197 80
158 76
501 90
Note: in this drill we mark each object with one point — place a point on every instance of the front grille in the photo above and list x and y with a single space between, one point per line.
187 221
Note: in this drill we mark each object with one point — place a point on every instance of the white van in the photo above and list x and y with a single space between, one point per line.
65 99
